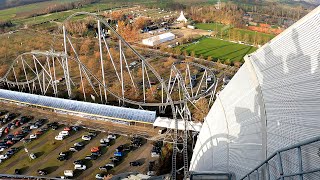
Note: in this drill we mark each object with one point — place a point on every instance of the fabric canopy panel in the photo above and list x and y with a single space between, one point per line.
170 124
272 102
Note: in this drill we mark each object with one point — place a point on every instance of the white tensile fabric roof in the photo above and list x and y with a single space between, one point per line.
170 124
272 102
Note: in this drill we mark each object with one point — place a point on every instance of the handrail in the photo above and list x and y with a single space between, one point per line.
298 145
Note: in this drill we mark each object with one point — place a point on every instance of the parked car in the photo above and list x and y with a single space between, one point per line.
95 149
155 154
68 173
4 156
17 171
75 128
118 154
64 133
75 148
40 122
33 136
104 144
32 156
112 136
115 159
79 144
42 172
111 164
99 176
63 156
59 138
92 133
34 126
91 157
80 161
104 140
135 163
53 125
120 148
104 168
80 167
96 153
86 137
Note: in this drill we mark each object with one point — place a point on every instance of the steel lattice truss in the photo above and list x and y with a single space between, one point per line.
58 74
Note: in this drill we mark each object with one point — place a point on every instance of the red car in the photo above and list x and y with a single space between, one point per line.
9 142
66 129
17 133
95 149
6 130
17 123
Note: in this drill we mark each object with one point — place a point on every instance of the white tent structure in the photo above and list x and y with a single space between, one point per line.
155 40
182 18
272 102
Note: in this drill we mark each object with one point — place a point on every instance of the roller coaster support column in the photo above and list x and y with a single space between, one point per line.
66 68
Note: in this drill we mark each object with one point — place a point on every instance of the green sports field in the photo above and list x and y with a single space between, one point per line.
225 31
218 49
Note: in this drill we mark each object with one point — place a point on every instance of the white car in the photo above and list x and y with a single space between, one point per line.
4 156
68 173
154 154
64 133
33 136
34 126
105 140
110 165
99 176
86 138
151 173
112 136
59 138
32 156
80 167
1 149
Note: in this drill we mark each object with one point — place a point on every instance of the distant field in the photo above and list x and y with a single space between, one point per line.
225 34
209 26
11 13
219 49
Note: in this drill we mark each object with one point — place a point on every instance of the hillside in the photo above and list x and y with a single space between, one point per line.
13 3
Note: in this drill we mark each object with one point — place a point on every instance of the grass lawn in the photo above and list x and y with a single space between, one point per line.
225 33
209 26
9 14
219 49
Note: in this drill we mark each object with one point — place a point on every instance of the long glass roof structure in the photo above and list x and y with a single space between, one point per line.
93 109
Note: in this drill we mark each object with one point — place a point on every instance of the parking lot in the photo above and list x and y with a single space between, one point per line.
55 145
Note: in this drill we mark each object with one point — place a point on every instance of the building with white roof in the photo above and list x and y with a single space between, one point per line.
155 40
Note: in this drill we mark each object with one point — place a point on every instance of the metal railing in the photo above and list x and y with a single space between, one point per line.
299 161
